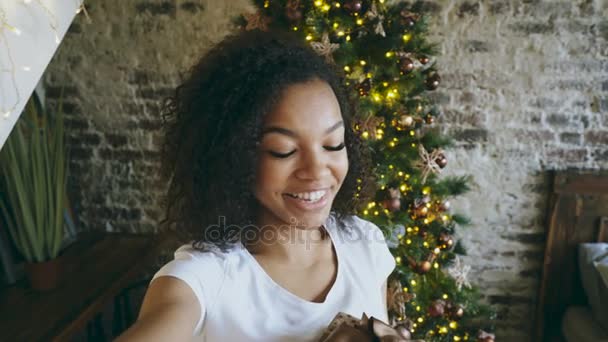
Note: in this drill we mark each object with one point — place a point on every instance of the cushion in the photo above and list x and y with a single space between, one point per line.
591 256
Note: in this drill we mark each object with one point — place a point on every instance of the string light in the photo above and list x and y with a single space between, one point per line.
12 69
4 25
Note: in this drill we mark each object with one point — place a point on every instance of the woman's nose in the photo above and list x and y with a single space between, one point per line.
313 166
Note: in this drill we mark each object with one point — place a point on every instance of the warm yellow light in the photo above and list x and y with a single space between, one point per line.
426 190
443 330
391 166
376 213
325 7
408 241
400 173
445 217
368 75
412 133
425 244
453 325
377 98
407 37
389 54
337 4
420 319
379 131
381 1
437 250
347 68
308 37
336 25
413 282
456 338
362 62
414 145
365 212
385 84
348 38
340 34
418 308
445 296
391 144
405 289
436 265
409 229
365 135
398 259
318 3
359 21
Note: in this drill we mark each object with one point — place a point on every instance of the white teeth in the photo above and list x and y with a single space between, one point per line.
309 196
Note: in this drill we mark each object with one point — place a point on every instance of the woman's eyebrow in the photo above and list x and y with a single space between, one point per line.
285 131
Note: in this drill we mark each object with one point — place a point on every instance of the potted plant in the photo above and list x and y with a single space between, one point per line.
33 174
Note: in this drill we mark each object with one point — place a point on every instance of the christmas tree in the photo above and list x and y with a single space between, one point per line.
390 66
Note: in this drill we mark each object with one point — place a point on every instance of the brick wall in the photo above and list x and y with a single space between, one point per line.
524 90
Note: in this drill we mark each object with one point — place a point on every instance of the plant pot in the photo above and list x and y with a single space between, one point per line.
46 275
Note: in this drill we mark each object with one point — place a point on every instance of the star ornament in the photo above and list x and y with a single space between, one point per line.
428 162
325 47
256 21
459 271
374 14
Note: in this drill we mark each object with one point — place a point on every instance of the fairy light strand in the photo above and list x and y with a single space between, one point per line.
12 67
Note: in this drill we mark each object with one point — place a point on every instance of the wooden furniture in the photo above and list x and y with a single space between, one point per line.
98 267
577 213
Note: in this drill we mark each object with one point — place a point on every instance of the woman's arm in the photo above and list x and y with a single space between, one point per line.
169 312
384 285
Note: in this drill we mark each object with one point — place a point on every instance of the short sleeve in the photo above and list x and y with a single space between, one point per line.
376 249
383 259
202 272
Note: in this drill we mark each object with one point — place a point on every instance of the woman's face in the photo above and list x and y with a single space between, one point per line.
302 160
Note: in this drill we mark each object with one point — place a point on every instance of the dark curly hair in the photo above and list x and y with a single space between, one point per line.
212 125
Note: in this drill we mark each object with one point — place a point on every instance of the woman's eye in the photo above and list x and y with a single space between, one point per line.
335 148
281 155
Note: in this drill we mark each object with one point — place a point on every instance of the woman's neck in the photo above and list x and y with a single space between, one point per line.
281 241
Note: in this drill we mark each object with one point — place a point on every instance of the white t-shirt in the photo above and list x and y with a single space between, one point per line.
241 302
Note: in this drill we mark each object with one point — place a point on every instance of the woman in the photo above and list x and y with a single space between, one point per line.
265 176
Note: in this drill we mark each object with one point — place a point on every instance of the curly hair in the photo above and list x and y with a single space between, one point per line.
213 122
